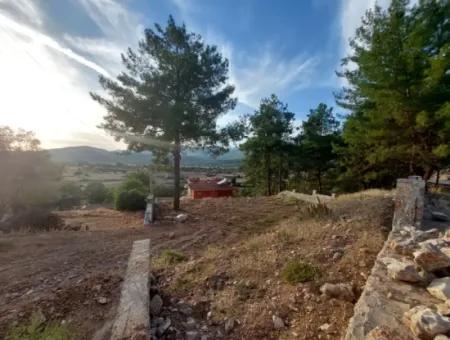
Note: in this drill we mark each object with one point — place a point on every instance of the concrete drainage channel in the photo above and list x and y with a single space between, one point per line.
133 319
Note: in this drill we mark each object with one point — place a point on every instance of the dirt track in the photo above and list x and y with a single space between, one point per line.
64 274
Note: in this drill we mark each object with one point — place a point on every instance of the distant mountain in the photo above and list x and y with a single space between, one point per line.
87 154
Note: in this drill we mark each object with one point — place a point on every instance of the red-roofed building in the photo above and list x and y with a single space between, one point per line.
210 187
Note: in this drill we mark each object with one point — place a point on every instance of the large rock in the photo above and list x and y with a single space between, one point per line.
440 288
404 270
421 236
156 304
425 323
403 247
444 308
278 322
341 291
431 258
385 333
439 216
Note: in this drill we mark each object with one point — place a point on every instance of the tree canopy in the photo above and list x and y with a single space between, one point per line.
170 95
398 93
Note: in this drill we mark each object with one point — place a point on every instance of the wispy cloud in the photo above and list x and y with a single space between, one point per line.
255 74
42 39
45 85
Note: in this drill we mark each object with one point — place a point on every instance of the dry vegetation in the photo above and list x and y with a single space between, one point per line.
278 269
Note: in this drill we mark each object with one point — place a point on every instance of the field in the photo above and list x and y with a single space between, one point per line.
233 252
113 175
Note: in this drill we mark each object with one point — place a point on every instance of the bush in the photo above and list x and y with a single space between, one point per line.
32 219
37 330
70 195
169 256
131 200
296 271
131 194
96 192
163 191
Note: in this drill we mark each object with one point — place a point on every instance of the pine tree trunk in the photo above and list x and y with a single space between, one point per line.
176 173
320 181
269 175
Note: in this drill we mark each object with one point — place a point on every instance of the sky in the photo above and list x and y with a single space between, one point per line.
52 52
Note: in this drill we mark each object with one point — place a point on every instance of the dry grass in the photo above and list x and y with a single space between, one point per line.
268 271
366 194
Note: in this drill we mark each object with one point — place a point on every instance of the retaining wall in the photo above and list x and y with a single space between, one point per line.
384 301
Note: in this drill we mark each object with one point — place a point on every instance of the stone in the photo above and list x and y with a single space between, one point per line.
278 322
444 308
440 288
383 333
403 271
325 327
192 335
403 247
431 258
439 216
441 337
156 304
421 236
163 327
102 300
341 291
229 325
425 323
337 255
181 218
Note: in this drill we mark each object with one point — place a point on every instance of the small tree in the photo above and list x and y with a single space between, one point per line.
265 150
398 93
315 142
170 95
96 192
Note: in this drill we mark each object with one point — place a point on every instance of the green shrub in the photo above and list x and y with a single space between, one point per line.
70 195
96 192
37 330
131 194
296 271
169 257
131 200
163 191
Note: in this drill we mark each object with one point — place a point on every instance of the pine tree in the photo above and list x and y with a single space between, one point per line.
170 95
398 93
265 150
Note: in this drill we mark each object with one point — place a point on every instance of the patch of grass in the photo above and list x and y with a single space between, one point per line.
168 257
296 271
317 211
37 330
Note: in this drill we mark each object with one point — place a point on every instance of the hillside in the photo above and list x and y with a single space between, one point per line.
87 154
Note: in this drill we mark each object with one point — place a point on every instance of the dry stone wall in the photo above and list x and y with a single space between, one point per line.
407 295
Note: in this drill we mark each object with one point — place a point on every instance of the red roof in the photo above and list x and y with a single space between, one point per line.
208 184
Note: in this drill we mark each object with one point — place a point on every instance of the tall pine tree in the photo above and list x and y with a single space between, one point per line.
398 93
170 95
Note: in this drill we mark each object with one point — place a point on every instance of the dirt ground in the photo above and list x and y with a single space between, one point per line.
74 277
64 274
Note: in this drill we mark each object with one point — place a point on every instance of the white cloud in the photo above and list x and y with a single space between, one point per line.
255 75
24 10
45 86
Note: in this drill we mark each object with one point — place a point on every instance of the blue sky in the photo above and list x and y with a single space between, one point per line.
54 50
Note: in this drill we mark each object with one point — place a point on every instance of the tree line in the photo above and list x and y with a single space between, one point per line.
395 105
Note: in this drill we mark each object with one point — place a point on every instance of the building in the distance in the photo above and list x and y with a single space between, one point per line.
209 187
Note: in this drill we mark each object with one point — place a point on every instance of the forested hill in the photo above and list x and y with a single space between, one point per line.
87 154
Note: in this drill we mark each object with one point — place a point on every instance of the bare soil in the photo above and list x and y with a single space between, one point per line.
242 243
64 274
